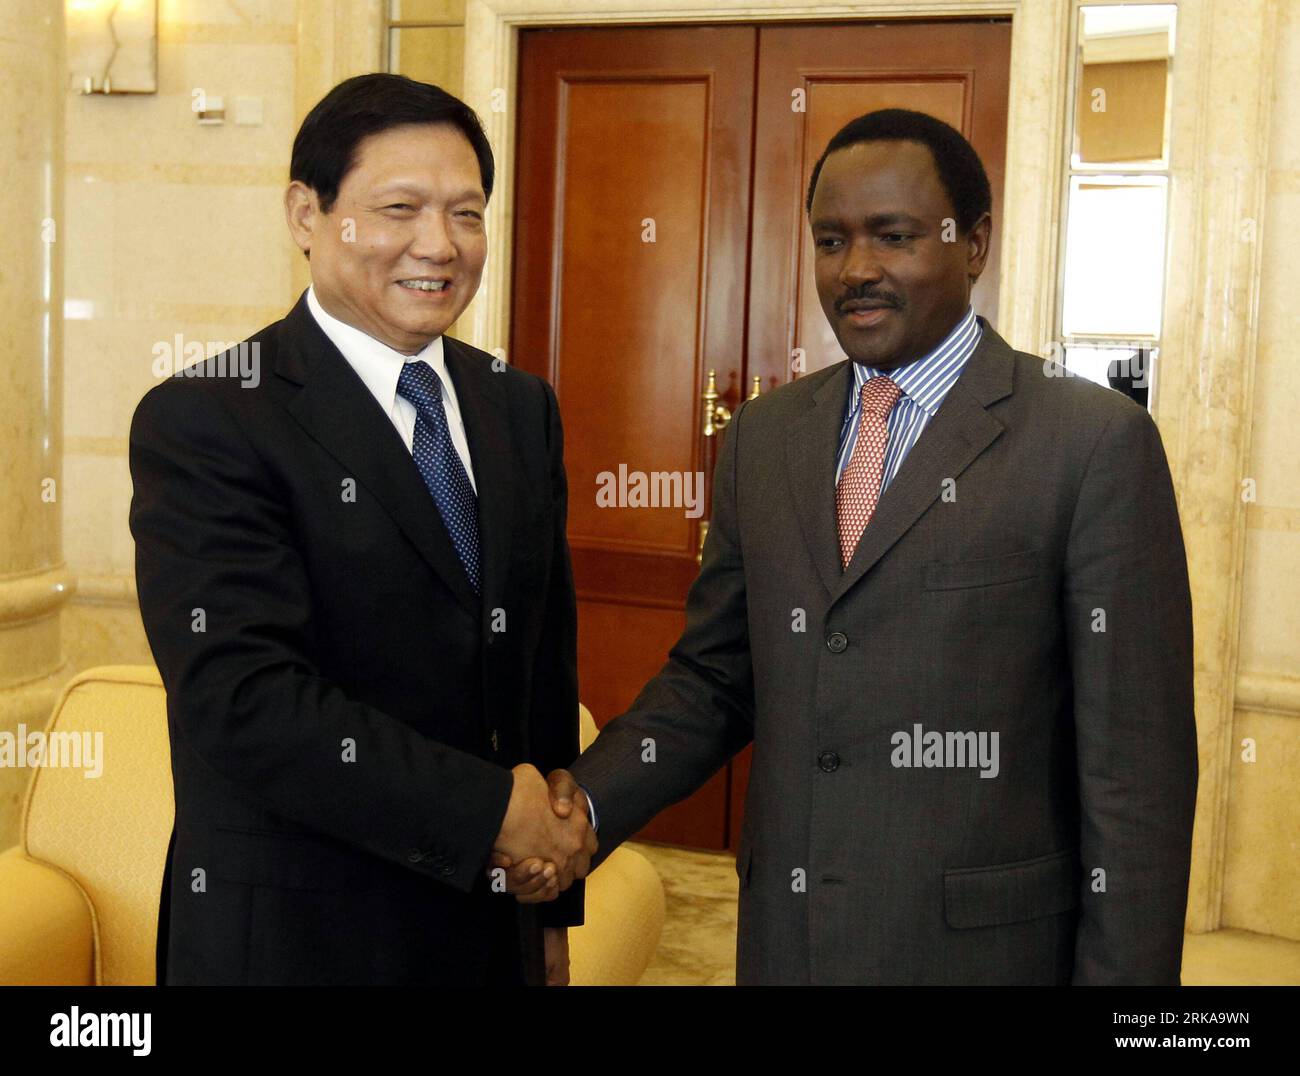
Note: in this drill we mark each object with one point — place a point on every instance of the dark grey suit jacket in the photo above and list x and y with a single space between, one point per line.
1042 595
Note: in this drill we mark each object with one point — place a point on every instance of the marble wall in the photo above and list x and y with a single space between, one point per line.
175 228
34 581
1261 890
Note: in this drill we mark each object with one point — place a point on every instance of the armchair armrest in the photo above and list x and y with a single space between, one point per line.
47 934
625 912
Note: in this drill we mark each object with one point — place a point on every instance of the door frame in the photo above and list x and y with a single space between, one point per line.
1204 403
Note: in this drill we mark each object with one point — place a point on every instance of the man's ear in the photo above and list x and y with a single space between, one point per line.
977 245
300 214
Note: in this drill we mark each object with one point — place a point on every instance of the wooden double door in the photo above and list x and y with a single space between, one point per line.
660 234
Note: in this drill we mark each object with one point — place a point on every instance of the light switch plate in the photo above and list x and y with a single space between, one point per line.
248 111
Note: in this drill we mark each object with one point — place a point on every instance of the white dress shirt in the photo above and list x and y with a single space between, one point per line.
379 366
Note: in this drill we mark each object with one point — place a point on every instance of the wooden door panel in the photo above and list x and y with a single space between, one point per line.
641 414
629 284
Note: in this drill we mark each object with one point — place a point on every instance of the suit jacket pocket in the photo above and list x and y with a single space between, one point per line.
984 572
1012 892
287 860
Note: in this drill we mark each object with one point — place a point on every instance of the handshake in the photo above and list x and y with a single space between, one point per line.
544 845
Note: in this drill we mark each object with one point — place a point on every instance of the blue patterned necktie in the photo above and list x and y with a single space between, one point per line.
439 464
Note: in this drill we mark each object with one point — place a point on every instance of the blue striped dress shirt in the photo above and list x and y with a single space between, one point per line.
925 382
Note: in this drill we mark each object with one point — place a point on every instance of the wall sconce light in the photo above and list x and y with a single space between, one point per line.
112 46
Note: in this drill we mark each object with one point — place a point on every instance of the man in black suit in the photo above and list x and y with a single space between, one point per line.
353 573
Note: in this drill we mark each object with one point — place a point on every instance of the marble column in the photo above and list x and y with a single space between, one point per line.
1204 378
34 581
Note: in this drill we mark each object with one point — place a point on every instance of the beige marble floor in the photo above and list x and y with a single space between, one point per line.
698 944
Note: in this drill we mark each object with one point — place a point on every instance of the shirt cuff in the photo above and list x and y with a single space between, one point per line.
591 810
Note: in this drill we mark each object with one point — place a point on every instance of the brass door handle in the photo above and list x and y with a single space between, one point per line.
716 415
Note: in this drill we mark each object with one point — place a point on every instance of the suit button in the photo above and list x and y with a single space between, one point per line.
837 642
414 856
496 742
829 761
447 868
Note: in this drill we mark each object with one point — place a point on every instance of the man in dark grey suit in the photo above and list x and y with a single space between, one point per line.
971 702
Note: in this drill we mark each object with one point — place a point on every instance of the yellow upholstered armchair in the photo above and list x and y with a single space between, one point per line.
79 892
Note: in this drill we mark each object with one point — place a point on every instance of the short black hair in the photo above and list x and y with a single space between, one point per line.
959 166
325 148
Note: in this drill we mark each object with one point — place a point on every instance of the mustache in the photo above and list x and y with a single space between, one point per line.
872 295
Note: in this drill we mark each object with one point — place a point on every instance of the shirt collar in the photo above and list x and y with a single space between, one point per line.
926 380
377 364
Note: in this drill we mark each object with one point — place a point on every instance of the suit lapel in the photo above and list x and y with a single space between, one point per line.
336 410
952 440
810 451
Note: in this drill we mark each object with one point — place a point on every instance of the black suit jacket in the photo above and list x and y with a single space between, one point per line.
343 709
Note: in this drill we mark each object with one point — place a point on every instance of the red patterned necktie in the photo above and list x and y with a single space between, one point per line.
859 488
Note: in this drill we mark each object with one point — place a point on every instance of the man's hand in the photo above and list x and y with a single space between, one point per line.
535 879
556 940
545 845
